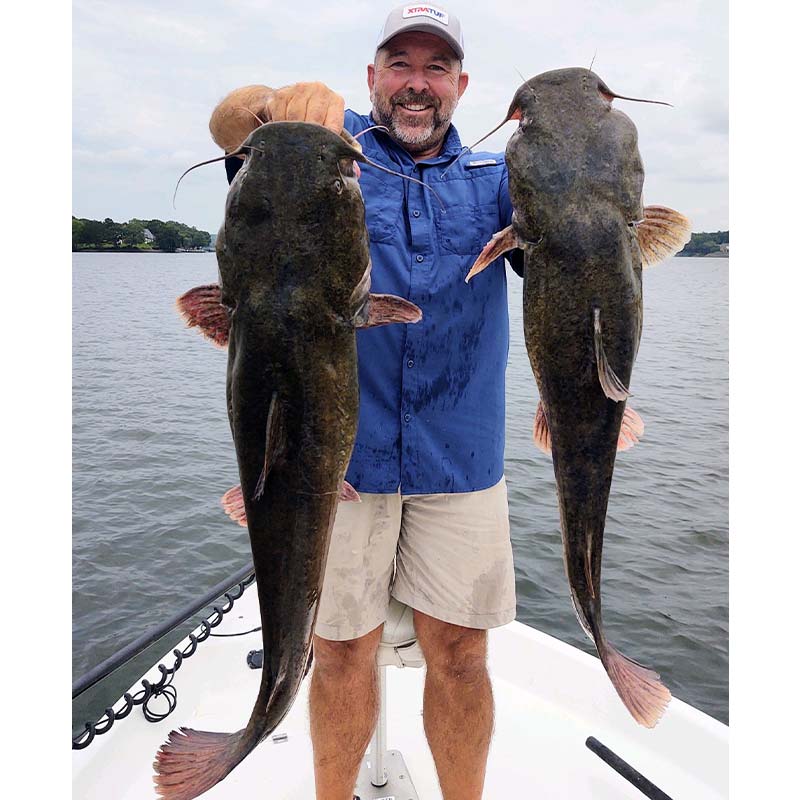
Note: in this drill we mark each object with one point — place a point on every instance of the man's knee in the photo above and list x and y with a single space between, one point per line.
349 657
452 652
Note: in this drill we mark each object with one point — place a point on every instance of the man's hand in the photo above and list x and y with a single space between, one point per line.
243 110
238 115
307 102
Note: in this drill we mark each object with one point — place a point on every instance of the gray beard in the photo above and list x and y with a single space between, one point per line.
415 138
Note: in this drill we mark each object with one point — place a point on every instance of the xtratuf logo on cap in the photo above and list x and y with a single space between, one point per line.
426 11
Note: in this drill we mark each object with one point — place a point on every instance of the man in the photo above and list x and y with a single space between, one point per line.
432 525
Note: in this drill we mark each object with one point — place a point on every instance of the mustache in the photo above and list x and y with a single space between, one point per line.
415 98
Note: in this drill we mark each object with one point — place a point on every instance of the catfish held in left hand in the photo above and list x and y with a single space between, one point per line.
293 256
575 179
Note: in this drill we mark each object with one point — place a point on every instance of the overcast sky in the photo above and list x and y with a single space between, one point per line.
146 76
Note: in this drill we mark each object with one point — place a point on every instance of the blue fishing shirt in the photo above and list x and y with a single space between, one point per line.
432 408
432 415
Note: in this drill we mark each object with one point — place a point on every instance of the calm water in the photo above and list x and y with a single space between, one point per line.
152 454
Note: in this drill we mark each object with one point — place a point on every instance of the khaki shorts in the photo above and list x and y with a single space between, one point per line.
446 555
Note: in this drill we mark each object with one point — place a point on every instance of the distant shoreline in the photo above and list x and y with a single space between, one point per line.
210 250
135 250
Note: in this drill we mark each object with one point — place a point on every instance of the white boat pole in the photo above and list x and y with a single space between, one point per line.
378 744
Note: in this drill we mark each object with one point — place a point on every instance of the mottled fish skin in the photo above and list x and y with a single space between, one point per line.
293 257
575 180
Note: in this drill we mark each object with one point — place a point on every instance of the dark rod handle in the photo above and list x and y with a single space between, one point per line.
647 788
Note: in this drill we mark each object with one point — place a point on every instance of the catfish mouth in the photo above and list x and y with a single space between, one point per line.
348 167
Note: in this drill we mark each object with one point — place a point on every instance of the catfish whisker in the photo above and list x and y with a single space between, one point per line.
408 178
211 161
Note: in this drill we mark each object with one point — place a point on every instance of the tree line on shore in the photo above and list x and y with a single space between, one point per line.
91 234
702 244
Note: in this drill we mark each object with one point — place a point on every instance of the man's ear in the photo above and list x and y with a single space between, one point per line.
463 81
370 76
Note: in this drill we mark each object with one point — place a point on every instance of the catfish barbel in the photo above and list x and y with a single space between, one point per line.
293 255
575 178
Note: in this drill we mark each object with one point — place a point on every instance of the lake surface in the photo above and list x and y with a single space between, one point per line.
152 455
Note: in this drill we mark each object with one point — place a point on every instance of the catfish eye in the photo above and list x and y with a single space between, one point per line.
337 185
346 167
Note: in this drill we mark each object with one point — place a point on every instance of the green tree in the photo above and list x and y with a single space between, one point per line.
702 244
112 232
132 233
199 238
77 232
168 238
92 233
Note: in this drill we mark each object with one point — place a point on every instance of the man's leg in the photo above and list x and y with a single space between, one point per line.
343 703
454 562
458 709
355 594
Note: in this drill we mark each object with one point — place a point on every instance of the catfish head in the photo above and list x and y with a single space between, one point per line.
295 203
574 156
549 98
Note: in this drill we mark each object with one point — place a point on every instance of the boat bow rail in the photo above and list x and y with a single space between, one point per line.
231 589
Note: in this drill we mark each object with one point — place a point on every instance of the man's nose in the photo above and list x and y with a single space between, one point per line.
417 81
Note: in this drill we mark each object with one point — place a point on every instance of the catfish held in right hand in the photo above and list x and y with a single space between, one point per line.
575 179
294 267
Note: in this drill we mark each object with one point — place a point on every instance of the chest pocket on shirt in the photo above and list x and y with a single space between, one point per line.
465 229
383 202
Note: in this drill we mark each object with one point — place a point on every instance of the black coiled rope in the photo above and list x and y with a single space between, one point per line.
163 688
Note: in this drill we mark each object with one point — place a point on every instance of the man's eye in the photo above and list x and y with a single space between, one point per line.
399 64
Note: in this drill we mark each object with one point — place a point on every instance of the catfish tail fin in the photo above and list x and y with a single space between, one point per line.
191 762
639 688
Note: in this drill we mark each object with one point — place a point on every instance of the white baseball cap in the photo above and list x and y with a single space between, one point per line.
426 18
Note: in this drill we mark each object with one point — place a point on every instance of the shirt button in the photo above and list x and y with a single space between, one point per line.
410 363
407 417
415 213
420 258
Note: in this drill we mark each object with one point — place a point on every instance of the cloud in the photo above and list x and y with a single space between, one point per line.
130 28
147 75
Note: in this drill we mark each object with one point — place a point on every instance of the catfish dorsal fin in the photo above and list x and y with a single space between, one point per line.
274 443
661 233
613 387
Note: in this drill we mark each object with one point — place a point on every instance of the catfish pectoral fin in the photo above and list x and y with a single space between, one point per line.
348 494
501 242
630 431
202 308
613 387
384 309
233 501
662 233
233 505
541 431
639 688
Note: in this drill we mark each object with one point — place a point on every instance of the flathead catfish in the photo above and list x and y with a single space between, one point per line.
575 180
293 255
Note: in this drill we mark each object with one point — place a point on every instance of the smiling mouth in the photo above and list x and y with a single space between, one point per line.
414 107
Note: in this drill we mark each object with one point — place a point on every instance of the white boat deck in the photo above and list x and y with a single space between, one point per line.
549 697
